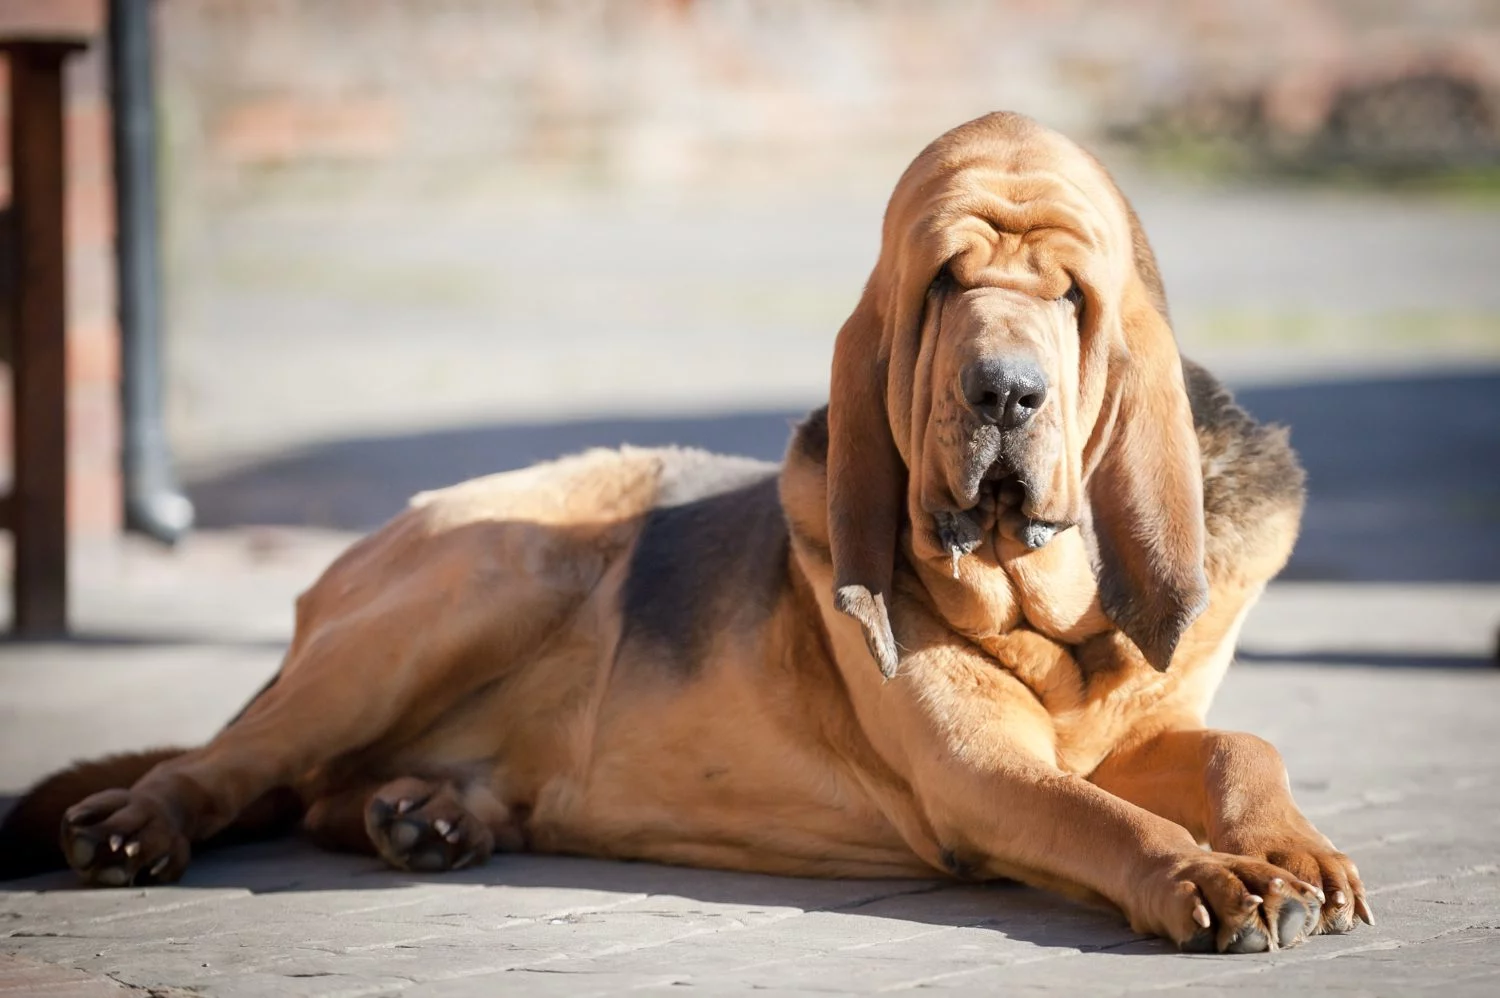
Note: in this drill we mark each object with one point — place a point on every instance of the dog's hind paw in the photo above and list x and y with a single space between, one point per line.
424 826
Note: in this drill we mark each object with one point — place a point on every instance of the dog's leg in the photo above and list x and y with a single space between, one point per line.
450 596
336 820
1231 790
351 682
978 751
1024 818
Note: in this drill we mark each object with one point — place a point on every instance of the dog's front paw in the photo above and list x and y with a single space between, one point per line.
1215 902
117 838
424 826
1311 857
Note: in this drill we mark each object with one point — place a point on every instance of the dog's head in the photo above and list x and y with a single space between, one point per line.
1010 370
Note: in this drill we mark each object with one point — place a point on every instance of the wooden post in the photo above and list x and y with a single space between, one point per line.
39 501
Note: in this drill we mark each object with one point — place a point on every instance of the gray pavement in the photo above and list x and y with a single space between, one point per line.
335 363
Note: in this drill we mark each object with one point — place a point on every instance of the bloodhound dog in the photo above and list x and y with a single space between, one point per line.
970 626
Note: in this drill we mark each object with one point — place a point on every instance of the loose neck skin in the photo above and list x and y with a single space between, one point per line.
1027 619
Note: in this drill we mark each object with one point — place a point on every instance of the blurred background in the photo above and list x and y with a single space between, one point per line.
411 242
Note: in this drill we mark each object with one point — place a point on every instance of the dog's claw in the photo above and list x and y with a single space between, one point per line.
160 865
1362 908
115 841
442 827
957 554
1201 916
131 848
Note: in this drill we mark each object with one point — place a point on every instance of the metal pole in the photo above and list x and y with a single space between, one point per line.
154 504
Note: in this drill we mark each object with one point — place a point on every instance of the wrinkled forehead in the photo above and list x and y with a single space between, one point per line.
1027 213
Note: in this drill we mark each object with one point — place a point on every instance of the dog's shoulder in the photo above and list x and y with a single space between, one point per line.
710 556
1253 484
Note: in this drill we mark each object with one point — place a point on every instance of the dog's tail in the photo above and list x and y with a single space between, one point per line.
29 834
28 838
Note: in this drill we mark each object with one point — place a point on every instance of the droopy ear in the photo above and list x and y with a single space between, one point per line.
866 483
1146 491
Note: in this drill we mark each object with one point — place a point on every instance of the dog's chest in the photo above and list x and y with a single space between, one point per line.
1097 697
1111 714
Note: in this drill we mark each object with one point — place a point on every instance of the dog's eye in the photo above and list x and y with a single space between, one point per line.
1075 296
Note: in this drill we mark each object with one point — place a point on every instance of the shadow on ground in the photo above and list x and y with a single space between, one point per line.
1404 472
290 865
1367 659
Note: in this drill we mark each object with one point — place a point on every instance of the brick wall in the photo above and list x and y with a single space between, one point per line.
93 352
704 93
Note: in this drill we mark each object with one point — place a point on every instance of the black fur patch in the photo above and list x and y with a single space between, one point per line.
712 563
1249 470
811 436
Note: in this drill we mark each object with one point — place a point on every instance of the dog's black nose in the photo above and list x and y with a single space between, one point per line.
1006 391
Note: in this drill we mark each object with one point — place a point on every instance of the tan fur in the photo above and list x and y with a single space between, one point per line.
466 679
